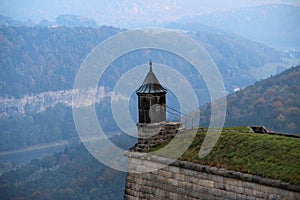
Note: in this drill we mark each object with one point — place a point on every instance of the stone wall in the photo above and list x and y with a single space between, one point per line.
150 135
186 180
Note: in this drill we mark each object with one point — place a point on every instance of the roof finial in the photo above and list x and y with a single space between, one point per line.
150 64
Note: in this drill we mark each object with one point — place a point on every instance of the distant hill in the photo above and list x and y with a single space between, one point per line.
38 66
274 103
274 25
75 20
39 59
61 20
8 21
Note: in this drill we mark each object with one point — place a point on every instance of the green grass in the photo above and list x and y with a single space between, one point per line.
275 157
242 129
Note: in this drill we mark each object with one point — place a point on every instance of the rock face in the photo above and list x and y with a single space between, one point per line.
42 101
186 180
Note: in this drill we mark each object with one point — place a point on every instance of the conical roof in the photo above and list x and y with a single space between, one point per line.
151 84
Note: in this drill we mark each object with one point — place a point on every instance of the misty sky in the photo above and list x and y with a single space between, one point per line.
123 12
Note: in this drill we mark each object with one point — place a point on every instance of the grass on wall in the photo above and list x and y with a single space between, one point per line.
270 156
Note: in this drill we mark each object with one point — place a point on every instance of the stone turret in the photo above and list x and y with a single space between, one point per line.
151 99
153 127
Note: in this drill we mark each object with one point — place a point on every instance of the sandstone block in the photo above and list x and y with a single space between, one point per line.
181 184
172 181
273 197
233 181
207 197
192 179
180 190
206 183
189 172
173 169
165 173
231 195
215 192
220 185
249 185
249 192
169 188
215 178
130 192
259 194
236 189
202 175
179 177
173 196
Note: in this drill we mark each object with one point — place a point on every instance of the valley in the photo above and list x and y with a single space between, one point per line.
43 44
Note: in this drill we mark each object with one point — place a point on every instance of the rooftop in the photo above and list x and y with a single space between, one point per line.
151 84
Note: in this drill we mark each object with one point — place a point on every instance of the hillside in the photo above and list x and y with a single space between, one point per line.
39 59
38 66
61 20
71 174
36 59
7 21
274 103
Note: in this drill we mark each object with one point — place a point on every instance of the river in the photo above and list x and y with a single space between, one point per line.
24 155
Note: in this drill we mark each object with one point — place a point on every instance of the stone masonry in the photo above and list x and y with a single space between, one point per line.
186 180
150 135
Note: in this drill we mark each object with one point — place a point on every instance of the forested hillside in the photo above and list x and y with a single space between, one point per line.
38 59
44 60
274 103
72 174
20 131
69 20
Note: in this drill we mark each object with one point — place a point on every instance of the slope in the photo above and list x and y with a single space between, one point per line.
39 59
71 174
274 102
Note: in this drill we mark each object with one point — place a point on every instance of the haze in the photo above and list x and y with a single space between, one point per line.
124 13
